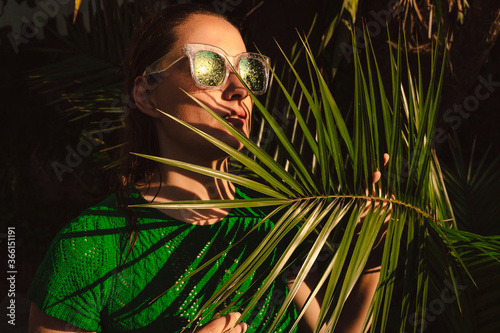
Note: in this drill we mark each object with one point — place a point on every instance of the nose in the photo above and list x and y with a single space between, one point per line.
234 90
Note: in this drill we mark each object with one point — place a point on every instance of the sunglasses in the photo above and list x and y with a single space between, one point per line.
210 67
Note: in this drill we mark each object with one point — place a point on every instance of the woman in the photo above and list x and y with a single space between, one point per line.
93 278
115 268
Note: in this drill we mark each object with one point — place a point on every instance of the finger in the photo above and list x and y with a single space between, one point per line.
227 324
231 328
386 159
231 320
376 176
240 328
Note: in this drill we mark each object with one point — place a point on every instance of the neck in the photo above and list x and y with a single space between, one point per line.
177 184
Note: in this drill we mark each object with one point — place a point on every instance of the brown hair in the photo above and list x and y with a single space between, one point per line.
150 41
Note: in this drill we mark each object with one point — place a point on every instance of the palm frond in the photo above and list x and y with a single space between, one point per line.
473 183
328 202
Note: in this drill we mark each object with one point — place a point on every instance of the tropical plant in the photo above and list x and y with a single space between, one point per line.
472 182
325 196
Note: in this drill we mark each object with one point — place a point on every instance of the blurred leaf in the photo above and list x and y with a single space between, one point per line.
77 6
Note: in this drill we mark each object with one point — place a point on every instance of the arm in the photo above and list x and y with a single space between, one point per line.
355 309
40 322
43 323
358 302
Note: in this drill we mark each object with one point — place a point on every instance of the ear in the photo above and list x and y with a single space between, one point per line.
142 97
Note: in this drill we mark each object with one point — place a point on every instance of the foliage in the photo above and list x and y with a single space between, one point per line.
426 19
325 197
473 182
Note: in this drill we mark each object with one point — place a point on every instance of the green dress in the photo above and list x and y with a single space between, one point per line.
86 281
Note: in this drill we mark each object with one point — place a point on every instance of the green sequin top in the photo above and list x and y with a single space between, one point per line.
84 281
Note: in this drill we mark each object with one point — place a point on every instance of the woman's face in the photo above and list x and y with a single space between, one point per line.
232 100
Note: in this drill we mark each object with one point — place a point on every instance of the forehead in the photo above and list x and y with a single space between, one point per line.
210 29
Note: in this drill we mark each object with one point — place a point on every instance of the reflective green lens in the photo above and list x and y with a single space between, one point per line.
210 68
253 72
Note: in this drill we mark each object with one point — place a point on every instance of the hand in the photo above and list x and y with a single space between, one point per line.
224 324
377 174
376 178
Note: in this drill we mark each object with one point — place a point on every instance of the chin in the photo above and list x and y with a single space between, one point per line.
207 151
233 142
229 139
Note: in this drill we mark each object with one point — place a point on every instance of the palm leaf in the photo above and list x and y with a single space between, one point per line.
473 184
420 204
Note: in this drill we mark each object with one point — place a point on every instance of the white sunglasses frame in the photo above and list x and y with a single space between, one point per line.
189 50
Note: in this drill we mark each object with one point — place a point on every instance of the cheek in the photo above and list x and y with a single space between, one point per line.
169 95
170 85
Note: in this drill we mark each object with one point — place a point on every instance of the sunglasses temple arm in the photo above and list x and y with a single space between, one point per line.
162 70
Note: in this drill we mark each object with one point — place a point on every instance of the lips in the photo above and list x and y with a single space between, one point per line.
236 122
236 118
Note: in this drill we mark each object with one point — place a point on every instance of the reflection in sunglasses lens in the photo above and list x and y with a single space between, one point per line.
210 68
252 71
